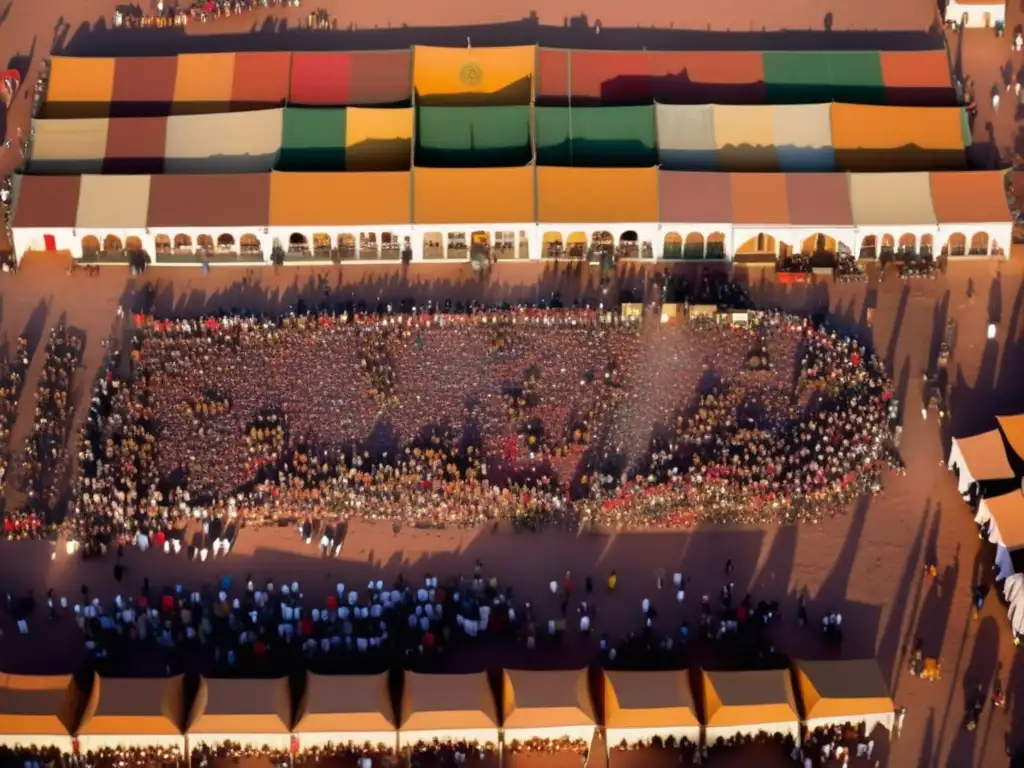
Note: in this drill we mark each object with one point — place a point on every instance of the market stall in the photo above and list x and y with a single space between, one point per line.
254 714
547 705
845 691
979 459
642 706
38 712
749 703
1003 519
455 708
352 710
133 713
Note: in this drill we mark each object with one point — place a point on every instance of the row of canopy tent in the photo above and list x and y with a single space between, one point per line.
807 137
51 712
935 204
984 465
208 82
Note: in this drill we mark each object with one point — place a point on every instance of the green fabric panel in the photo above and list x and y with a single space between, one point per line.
856 77
473 137
965 129
797 77
552 127
613 136
313 140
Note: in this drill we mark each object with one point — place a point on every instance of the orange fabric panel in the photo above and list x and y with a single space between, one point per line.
205 78
859 126
916 69
970 197
473 195
759 199
81 80
450 76
339 199
261 78
597 195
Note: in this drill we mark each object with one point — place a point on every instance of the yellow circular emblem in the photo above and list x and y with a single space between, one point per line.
471 75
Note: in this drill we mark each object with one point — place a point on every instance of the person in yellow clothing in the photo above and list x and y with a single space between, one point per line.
613 579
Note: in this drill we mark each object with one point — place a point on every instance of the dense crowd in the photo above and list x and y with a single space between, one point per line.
527 416
12 376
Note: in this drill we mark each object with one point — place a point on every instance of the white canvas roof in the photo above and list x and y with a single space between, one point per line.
897 200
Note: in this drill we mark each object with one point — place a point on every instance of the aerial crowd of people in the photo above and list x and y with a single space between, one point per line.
526 416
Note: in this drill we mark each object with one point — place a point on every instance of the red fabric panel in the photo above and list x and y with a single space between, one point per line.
611 77
261 78
320 79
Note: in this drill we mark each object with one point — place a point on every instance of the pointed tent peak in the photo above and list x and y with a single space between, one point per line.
984 456
1013 430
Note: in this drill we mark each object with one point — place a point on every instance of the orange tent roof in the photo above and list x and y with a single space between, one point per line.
134 706
32 705
970 197
597 195
473 195
748 698
339 199
241 706
1013 430
865 126
546 699
447 703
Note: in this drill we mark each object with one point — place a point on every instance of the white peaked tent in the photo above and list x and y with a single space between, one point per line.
1016 615
979 458
1005 518
1013 587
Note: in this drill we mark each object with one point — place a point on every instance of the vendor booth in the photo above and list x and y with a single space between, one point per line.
1012 428
748 703
847 691
38 711
547 705
447 708
1004 518
133 712
979 459
252 713
352 710
1016 614
642 706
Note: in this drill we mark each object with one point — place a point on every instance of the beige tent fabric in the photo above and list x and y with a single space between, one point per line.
802 125
348 704
549 699
846 691
983 456
41 710
113 203
447 703
134 706
749 698
892 200
648 700
225 707
231 142
69 146
1007 515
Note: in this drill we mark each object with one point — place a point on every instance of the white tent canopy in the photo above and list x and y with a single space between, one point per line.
1016 614
1013 586
979 458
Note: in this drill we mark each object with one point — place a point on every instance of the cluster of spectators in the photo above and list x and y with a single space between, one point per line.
525 415
12 377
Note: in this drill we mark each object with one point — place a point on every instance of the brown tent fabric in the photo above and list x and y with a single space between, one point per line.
842 691
37 705
447 703
546 699
1013 430
748 698
350 704
241 706
648 700
134 707
984 456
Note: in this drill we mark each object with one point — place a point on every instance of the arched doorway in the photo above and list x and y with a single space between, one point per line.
926 246
629 245
869 247
297 243
162 243
225 243
204 243
249 245
888 246
672 248
956 245
819 243
182 243
979 244
433 245
693 247
112 244
602 246
347 246
480 243
90 245
759 244
322 243
390 245
576 245
551 245
906 245
458 247
714 246
133 243
368 248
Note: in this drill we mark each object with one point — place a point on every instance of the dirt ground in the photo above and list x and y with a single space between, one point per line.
867 563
